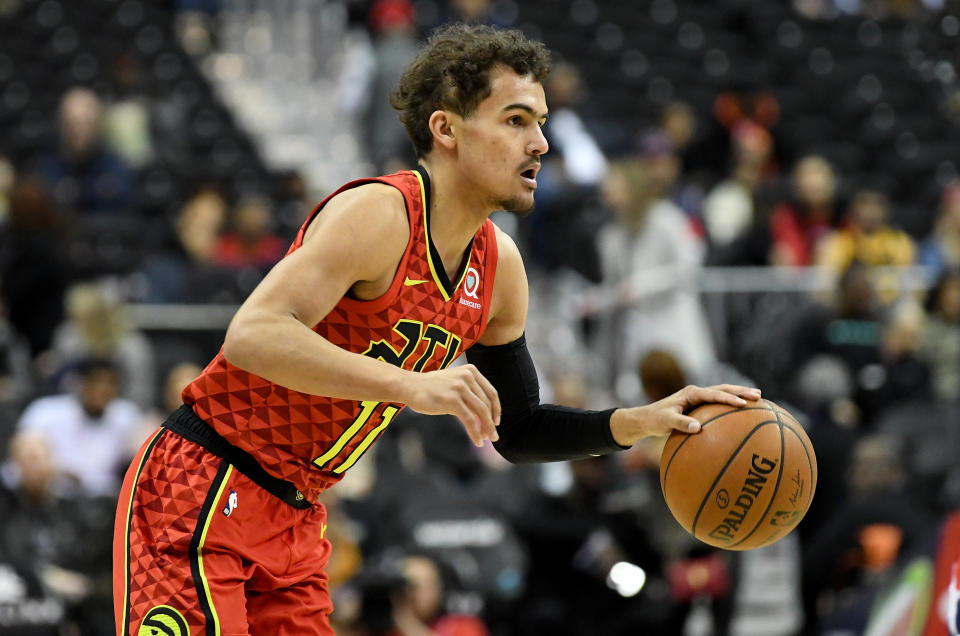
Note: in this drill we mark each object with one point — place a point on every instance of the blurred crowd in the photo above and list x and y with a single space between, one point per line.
431 535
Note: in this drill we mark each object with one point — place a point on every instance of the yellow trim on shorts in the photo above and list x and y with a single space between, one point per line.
147 449
203 536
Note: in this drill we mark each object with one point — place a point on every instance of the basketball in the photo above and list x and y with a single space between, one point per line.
745 480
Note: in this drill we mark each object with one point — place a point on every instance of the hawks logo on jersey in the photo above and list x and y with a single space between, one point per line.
422 323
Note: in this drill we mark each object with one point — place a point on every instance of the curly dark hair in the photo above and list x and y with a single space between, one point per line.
452 72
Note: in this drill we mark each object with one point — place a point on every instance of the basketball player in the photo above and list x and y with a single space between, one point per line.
391 279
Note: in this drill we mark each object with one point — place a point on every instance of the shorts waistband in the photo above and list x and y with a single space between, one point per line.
188 425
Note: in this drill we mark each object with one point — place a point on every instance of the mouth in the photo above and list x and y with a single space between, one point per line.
530 175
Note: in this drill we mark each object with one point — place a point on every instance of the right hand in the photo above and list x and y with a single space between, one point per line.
461 391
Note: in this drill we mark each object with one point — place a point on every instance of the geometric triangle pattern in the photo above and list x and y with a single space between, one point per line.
169 494
287 430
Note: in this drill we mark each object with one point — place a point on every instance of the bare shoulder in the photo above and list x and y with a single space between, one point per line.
375 208
509 260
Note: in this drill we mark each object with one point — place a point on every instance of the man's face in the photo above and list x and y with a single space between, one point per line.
869 214
500 144
98 389
80 120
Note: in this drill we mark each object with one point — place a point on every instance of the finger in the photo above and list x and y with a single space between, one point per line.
746 392
481 411
491 394
705 395
723 397
685 424
471 424
478 400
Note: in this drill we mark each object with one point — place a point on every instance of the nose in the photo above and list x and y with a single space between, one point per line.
538 146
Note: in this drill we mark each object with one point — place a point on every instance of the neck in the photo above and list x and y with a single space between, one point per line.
455 213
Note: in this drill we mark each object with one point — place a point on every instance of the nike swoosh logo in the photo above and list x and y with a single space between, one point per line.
410 282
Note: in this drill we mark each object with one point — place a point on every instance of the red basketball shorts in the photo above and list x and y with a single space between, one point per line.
200 548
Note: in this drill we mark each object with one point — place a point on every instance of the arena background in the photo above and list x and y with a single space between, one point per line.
741 190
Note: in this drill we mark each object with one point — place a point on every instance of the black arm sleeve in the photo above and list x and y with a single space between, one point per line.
534 432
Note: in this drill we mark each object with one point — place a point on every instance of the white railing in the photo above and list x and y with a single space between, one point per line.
735 280
710 282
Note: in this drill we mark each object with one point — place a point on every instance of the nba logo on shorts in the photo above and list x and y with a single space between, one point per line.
232 503
472 283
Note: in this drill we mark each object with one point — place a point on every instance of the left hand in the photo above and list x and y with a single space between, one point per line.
664 416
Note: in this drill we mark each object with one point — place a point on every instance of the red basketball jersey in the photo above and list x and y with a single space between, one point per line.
422 323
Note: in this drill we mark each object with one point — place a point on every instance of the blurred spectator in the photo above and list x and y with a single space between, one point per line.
687 136
575 538
797 224
678 122
33 269
83 176
183 270
879 521
650 255
733 209
661 166
89 431
867 236
418 606
58 540
899 373
126 118
559 232
824 388
941 249
940 346
583 162
97 327
394 43
848 326
251 242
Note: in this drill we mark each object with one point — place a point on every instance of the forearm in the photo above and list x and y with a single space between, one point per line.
534 432
550 433
284 351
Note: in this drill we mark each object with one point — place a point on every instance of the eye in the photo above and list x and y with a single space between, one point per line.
516 120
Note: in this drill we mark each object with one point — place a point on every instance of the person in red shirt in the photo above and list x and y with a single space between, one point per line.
418 606
796 225
250 241
389 280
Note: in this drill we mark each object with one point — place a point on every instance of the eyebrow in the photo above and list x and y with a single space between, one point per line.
526 109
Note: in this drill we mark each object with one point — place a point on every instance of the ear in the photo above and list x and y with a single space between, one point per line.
442 125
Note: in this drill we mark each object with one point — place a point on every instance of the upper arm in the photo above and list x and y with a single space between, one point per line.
359 236
508 312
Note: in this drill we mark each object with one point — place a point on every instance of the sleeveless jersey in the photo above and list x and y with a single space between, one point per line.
422 323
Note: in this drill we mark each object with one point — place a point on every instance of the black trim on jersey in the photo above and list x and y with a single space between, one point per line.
534 432
188 425
441 271
205 512
126 539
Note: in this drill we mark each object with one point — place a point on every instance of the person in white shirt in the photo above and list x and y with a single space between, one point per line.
88 431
